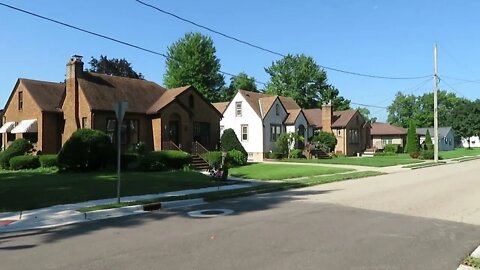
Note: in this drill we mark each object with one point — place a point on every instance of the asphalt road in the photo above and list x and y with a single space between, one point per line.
422 219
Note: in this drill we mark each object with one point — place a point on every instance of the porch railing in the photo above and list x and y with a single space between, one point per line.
169 145
198 149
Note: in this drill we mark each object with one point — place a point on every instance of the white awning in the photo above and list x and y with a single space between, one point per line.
7 127
26 126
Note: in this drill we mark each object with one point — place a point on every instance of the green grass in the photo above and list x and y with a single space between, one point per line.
472 262
424 165
25 190
264 171
265 187
459 152
377 161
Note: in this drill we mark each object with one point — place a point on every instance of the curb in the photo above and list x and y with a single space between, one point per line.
475 254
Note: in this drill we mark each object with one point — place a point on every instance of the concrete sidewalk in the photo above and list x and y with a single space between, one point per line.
59 215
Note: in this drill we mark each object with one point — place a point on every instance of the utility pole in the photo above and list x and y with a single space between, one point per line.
435 107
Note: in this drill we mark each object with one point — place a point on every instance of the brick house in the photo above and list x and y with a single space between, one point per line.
48 113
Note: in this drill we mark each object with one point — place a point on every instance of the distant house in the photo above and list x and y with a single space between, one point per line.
445 134
258 120
350 128
471 142
47 113
384 133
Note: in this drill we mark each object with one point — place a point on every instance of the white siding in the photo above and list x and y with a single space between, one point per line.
250 118
474 142
272 118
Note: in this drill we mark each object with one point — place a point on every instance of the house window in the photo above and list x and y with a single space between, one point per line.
84 122
190 102
244 133
353 136
238 109
339 132
275 131
386 141
20 100
129 131
277 109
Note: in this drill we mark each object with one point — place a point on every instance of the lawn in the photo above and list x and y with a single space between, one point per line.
377 161
29 190
459 152
264 171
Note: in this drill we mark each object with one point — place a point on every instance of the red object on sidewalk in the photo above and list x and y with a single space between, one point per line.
6 222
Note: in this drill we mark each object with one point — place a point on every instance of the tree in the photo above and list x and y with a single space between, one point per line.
299 77
191 61
113 66
467 122
428 141
229 141
401 110
412 139
366 114
241 81
327 140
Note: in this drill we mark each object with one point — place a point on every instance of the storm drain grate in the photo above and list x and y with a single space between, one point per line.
207 213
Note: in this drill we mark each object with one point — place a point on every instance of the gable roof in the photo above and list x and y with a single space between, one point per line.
442 131
47 95
166 98
102 91
379 128
340 119
292 116
262 103
221 106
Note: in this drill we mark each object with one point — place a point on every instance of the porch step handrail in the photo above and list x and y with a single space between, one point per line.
170 145
198 149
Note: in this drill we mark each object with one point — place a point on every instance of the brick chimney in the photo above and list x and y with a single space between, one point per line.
70 105
327 116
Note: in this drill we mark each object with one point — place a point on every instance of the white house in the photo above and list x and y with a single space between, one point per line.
445 135
258 119
471 142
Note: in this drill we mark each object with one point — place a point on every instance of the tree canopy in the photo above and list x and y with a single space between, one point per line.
192 61
301 78
113 66
467 122
241 81
366 114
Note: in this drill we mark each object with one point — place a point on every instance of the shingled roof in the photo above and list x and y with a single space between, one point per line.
379 128
340 118
221 106
47 95
262 103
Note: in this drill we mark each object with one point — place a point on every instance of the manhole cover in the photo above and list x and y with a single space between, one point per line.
210 213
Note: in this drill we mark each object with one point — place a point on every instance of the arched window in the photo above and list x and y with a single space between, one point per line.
190 102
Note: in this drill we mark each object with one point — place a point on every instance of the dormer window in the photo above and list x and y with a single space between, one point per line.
20 100
277 109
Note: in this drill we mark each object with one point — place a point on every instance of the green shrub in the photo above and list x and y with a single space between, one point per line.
24 162
428 144
214 158
327 139
413 146
229 141
384 154
19 147
129 160
165 160
415 154
428 154
86 149
236 158
275 155
296 153
391 148
48 161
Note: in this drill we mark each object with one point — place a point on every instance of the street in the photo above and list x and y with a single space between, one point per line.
419 219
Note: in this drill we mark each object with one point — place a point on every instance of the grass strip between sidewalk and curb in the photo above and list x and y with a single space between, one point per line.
424 165
462 159
257 189
472 262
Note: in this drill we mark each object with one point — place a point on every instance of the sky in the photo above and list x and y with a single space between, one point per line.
392 38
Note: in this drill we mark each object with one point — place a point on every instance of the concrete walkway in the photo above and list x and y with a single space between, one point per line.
59 215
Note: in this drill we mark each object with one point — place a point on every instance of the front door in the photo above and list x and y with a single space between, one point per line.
173 133
201 133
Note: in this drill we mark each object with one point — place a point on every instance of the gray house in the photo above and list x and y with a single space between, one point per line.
445 134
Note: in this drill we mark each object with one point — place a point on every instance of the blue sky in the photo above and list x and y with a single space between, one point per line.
386 38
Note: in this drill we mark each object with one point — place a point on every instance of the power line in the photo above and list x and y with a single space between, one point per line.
367 105
271 51
462 80
106 37
450 86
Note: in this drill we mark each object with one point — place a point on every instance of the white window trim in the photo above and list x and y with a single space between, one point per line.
238 109
241 133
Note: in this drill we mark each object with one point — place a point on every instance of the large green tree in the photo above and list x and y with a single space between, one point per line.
301 78
241 81
366 114
113 66
467 120
192 61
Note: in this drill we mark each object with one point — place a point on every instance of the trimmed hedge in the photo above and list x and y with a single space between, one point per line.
87 150
165 160
24 162
19 147
229 141
48 161
236 158
391 148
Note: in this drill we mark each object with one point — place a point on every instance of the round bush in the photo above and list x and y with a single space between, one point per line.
415 154
236 158
24 162
164 160
19 147
48 161
87 149
391 148
327 139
